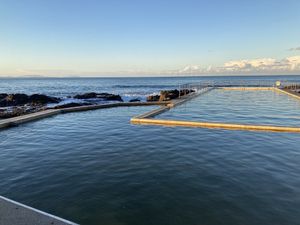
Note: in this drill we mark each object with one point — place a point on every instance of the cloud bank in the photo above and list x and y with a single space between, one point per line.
288 65
261 66
295 49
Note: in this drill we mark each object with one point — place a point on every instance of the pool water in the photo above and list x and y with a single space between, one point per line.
95 167
239 106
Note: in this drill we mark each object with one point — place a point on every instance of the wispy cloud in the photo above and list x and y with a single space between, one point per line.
295 49
263 66
288 65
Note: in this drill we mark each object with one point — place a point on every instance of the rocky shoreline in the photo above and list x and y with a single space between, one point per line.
12 105
167 95
292 88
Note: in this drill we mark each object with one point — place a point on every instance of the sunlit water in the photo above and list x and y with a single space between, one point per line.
247 107
95 167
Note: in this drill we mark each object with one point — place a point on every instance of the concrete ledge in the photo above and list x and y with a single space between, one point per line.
189 97
290 93
247 88
154 112
6 123
14 213
173 103
111 105
145 121
29 117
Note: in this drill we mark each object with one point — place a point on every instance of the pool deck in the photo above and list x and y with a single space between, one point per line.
15 213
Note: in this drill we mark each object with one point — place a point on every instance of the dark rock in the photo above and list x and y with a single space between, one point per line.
186 91
153 98
23 99
14 100
3 95
10 114
18 111
167 95
104 96
134 100
86 95
111 97
292 87
42 99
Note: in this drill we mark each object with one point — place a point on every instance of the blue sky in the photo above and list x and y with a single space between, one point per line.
131 37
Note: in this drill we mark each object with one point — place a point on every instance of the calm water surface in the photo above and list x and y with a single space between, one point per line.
96 168
246 107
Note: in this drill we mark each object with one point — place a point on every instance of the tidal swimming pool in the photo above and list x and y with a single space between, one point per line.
96 168
234 106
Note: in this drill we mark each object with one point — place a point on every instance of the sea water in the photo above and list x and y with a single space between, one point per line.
95 167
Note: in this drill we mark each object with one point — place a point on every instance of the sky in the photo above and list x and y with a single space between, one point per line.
142 38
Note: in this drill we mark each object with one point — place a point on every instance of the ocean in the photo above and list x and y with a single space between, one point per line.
127 87
95 167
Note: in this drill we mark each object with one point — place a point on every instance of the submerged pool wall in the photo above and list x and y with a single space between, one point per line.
147 118
15 121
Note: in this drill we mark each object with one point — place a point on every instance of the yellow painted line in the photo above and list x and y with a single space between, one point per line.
247 88
287 93
214 125
145 120
166 105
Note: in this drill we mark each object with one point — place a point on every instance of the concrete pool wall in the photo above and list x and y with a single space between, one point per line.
6 123
165 106
146 119
11 122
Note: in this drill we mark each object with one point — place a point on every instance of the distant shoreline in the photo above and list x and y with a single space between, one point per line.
138 77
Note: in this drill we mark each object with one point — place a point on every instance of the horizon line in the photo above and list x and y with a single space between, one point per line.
147 76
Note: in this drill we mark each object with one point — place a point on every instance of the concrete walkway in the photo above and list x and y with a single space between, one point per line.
14 213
